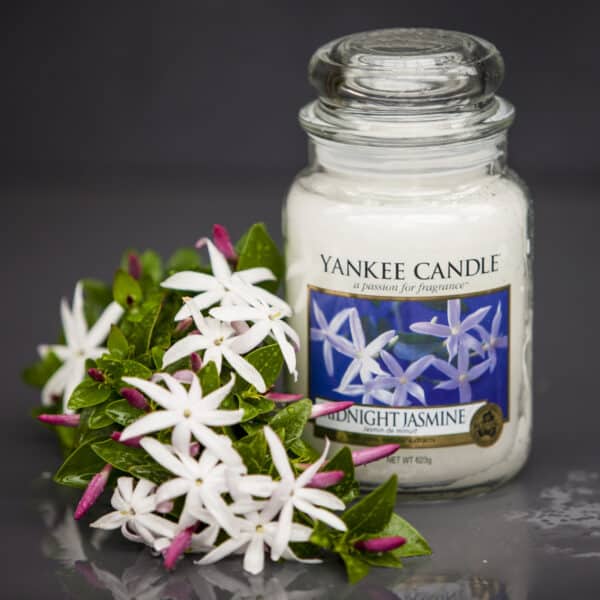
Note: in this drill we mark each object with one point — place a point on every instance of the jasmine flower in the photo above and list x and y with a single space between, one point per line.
81 343
134 512
363 355
188 412
326 331
460 376
456 331
291 492
218 287
267 319
370 389
493 340
218 340
404 380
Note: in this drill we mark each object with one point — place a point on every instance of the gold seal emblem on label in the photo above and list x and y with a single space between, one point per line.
486 425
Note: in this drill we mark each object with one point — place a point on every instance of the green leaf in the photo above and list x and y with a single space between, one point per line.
126 289
121 412
120 456
98 417
89 393
154 472
348 488
385 559
356 567
292 419
184 259
373 512
209 378
323 536
416 544
79 467
157 354
39 372
254 406
257 249
268 361
253 450
152 266
117 343
304 452
132 368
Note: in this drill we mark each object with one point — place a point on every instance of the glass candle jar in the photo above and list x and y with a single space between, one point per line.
408 244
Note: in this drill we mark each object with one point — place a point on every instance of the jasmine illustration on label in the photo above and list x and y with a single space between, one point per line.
424 372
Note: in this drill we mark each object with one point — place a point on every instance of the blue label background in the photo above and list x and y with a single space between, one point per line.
378 316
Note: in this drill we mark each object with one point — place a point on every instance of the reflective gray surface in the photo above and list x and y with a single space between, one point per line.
537 537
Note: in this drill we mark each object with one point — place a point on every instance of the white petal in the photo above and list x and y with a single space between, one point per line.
214 399
117 501
190 281
75 377
255 275
219 510
311 471
181 437
278 454
172 489
157 525
101 328
112 520
245 370
55 386
320 514
242 344
237 313
284 530
219 445
73 336
320 498
256 485
218 262
291 333
154 421
156 392
289 354
200 302
300 533
63 352
184 347
254 559
225 549
125 485
207 462
162 455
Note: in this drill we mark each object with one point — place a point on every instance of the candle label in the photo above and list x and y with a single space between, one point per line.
424 371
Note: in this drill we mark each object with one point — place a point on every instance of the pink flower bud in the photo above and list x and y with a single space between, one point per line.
135 398
326 479
222 241
62 420
194 449
281 397
134 265
183 375
96 374
183 325
93 491
178 546
382 544
165 507
134 442
328 408
362 457
195 361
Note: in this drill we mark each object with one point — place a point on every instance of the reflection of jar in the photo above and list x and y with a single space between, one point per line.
409 267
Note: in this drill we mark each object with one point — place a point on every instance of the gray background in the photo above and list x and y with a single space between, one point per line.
142 123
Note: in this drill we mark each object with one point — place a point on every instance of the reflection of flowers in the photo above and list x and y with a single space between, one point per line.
404 379
326 331
363 355
456 331
461 376
493 340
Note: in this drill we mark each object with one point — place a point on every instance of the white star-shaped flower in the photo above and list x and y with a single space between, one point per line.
268 320
134 512
254 532
188 412
202 481
81 343
220 286
292 492
218 340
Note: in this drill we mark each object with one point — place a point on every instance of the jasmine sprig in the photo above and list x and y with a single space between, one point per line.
202 455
